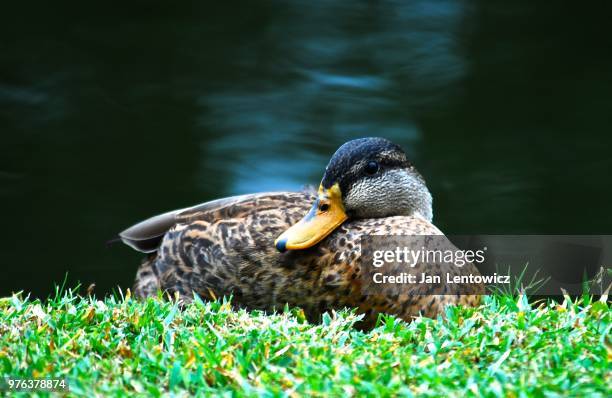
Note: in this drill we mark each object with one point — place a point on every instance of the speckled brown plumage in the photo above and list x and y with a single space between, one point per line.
229 250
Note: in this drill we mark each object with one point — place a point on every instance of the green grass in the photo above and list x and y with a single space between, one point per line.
121 347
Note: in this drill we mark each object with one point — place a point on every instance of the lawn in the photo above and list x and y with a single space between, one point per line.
123 347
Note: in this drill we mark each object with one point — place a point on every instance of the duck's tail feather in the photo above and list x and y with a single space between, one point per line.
147 235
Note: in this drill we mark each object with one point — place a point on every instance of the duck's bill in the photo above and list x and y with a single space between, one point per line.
326 214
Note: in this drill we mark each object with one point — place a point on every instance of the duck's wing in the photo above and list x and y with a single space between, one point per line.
147 235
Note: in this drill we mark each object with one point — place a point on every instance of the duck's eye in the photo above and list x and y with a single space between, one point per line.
324 207
371 167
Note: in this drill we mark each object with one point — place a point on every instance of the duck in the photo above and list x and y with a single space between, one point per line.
301 249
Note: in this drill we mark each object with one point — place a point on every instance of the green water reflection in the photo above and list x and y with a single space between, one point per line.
109 115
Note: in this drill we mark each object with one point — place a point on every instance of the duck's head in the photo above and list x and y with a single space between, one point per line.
365 178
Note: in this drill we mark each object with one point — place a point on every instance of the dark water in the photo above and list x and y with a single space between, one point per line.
112 113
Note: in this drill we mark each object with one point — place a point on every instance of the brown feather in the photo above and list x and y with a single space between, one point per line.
227 249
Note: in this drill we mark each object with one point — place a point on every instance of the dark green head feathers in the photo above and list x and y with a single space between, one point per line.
377 180
361 158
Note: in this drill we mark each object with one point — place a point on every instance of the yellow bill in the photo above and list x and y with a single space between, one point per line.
326 214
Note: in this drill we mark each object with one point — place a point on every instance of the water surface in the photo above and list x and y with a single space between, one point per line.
111 114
